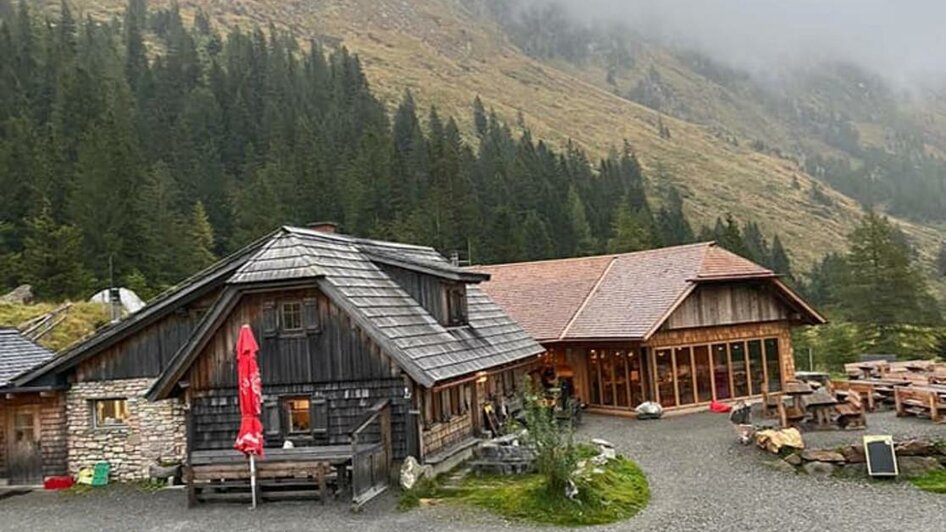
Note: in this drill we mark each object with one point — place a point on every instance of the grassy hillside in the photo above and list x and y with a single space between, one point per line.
81 320
448 51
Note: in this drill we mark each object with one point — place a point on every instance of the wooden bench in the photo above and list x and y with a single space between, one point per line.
920 401
285 474
851 413
868 393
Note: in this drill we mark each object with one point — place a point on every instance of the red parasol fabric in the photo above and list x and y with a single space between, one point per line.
250 439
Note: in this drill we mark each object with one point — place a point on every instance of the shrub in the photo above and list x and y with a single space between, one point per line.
555 450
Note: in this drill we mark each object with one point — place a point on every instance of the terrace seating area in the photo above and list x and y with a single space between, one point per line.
913 388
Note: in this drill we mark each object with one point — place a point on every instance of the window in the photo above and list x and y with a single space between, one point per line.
299 415
290 316
109 413
456 305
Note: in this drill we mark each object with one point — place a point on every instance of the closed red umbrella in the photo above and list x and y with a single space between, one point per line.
250 439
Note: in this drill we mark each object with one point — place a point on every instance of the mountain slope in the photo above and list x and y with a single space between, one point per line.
446 52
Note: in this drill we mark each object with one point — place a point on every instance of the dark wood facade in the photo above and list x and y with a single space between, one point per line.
148 352
330 363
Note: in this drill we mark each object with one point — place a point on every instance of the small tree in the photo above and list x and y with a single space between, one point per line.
555 452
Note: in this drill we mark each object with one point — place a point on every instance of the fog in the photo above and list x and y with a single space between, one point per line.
904 41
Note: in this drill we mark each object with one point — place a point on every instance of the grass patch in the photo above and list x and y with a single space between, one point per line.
81 320
617 493
933 482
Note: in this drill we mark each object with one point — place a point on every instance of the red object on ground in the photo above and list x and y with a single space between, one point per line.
719 408
58 483
250 439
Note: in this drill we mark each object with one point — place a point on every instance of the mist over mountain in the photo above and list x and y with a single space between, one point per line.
900 41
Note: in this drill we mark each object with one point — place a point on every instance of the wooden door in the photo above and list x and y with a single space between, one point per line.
24 455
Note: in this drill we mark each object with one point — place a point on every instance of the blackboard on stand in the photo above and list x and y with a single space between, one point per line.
881 457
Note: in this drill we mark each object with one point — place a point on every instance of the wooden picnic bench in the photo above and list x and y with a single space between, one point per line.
866 390
920 401
301 472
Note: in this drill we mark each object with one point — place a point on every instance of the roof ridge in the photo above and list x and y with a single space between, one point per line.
584 302
351 239
706 243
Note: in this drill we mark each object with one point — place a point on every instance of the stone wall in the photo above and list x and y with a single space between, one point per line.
154 430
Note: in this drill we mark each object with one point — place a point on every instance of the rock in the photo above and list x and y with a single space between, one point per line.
20 295
412 472
602 443
854 454
852 471
781 465
822 455
819 469
916 466
793 459
914 448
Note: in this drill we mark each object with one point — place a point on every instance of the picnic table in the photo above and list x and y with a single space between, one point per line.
821 404
796 412
886 387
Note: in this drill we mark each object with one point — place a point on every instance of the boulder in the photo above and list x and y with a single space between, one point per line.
781 465
917 466
822 455
819 469
914 448
20 295
794 459
412 472
854 454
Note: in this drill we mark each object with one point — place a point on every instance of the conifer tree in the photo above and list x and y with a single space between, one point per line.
584 242
51 260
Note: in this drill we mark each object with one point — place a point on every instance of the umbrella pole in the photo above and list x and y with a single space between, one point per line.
253 478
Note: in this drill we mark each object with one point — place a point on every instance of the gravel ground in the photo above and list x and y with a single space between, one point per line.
700 479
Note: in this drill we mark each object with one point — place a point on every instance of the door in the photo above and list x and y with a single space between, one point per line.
24 455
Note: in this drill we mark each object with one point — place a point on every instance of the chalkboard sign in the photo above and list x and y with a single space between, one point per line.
881 458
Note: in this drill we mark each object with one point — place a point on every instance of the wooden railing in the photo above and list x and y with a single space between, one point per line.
371 464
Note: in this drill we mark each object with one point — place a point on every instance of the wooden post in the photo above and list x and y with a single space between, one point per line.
898 402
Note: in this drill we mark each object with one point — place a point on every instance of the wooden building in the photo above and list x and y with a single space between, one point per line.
681 325
32 419
341 322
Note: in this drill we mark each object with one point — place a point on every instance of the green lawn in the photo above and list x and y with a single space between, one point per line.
934 482
616 493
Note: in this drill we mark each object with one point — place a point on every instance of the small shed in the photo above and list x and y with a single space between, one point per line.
32 420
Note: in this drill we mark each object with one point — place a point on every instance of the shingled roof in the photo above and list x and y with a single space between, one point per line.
620 296
18 354
348 271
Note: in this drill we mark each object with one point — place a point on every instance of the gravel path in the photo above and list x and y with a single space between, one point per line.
700 479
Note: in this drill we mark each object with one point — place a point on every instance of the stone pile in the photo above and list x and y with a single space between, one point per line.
504 455
915 457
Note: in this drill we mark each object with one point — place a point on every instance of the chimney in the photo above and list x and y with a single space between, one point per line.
323 227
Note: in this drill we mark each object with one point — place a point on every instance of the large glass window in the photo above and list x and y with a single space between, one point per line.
594 370
756 366
664 377
773 364
704 373
635 377
721 372
620 377
740 373
607 378
684 366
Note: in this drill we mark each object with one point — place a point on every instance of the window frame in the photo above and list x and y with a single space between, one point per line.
457 312
285 400
282 327
93 410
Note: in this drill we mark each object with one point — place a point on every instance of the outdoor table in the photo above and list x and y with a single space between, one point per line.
796 390
821 404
